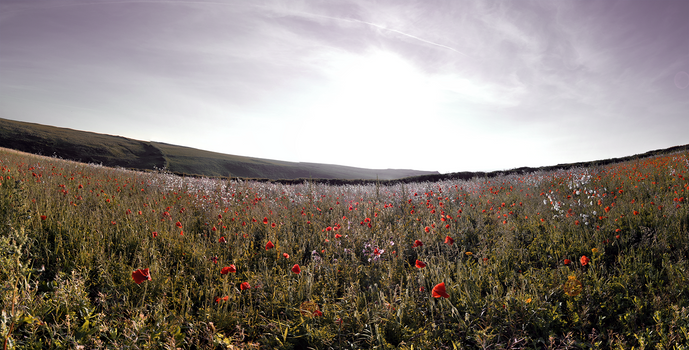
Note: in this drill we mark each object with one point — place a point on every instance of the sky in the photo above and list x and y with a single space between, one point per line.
432 85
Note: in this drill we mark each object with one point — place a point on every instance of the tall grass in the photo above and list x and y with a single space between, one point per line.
73 234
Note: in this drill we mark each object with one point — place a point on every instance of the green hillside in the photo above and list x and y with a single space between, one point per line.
80 146
119 151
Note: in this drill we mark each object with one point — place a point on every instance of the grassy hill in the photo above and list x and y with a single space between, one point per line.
79 146
119 151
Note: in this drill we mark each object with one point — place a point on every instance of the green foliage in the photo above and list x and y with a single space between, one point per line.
73 235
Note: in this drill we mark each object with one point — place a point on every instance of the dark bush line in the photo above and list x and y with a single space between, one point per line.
464 175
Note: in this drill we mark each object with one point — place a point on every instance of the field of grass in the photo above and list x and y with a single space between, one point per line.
96 257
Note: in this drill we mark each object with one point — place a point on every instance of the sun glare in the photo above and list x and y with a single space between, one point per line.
379 88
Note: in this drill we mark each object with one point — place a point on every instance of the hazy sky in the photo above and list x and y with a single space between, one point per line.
427 85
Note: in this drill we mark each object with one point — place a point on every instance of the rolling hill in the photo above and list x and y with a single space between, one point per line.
114 151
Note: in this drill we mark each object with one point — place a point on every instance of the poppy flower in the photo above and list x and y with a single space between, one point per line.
296 269
178 224
141 275
337 235
222 240
285 255
567 261
244 286
439 291
265 220
155 234
449 240
427 229
219 299
420 264
269 245
584 260
228 269
43 217
417 243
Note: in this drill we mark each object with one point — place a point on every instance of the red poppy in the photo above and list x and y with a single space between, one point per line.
222 240
567 261
427 229
296 269
269 245
420 264
178 224
228 269
272 225
337 235
584 260
141 275
219 299
155 234
417 243
439 291
318 313
265 220
449 240
285 255
244 286
43 217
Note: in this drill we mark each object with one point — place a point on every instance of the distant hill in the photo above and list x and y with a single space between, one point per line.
113 151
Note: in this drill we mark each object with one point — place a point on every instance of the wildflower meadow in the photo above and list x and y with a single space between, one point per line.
95 257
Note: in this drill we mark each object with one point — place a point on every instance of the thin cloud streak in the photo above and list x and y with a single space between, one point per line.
389 30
